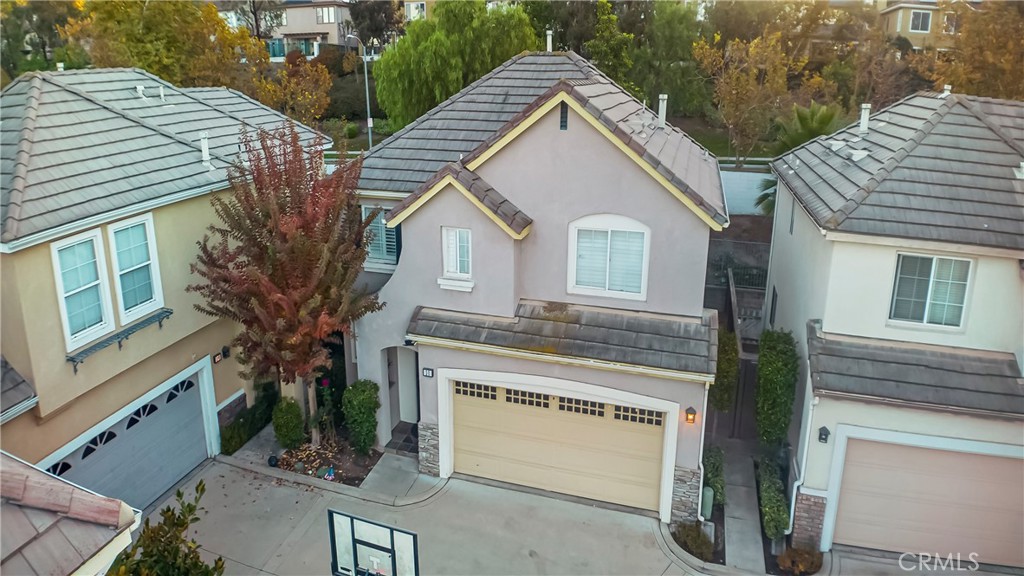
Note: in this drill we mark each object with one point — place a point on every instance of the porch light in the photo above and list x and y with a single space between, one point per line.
691 415
823 434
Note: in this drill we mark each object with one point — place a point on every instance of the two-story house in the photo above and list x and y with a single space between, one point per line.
898 264
305 24
544 323
925 23
111 379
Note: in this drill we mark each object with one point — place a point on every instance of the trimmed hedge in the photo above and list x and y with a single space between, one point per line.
777 373
359 404
692 539
714 472
722 394
289 427
249 421
774 512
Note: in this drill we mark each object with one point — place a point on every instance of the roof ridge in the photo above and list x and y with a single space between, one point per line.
981 115
861 194
22 157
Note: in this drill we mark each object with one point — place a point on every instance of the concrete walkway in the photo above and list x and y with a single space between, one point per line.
743 544
266 525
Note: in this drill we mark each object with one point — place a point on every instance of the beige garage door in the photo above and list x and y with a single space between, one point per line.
563 444
908 499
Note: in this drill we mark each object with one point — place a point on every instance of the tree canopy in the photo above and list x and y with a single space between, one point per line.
376 23
609 48
436 58
663 59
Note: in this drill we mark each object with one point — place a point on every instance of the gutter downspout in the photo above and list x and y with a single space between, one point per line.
803 465
700 451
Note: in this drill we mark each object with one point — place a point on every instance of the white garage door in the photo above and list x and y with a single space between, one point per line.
563 444
143 455
909 499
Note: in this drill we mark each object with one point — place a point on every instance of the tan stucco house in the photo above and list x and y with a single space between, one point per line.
111 379
898 264
927 24
542 261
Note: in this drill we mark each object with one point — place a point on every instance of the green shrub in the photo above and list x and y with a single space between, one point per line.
249 421
714 472
777 372
798 561
694 540
722 393
348 98
382 127
288 425
359 405
352 130
774 511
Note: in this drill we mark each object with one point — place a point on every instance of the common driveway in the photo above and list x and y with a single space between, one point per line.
263 525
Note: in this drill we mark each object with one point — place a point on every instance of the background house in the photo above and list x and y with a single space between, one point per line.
924 22
896 263
545 326
112 380
306 24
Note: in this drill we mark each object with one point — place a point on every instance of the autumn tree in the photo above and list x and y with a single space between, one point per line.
751 86
436 58
663 59
987 58
376 22
284 259
301 89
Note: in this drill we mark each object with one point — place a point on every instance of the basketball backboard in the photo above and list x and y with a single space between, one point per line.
361 547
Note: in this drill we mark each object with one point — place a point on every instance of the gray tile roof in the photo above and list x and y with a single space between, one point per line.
81 143
917 373
470 121
644 339
501 207
930 167
14 389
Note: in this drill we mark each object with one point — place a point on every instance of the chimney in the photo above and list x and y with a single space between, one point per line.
662 109
865 113
550 34
60 66
204 142
946 90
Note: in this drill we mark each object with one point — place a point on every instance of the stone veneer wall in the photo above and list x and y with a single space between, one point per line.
685 494
428 449
808 519
227 414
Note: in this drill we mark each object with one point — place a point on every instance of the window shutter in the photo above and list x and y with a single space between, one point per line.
591 258
626 261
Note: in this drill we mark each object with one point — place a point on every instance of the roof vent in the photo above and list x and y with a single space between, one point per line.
549 34
836 145
141 91
60 66
1019 172
946 90
858 155
662 109
865 113
162 93
793 161
204 143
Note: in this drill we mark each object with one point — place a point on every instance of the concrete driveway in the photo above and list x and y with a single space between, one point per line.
263 525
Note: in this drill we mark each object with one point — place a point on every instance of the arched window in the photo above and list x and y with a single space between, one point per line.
608 256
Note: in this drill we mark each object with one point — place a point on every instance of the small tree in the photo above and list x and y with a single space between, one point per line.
164 548
609 50
777 373
359 403
284 261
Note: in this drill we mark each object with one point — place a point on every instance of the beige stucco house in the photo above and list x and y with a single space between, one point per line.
542 261
928 24
111 379
898 264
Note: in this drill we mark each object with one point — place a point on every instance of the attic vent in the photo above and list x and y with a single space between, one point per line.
563 117
836 145
141 91
1019 172
858 155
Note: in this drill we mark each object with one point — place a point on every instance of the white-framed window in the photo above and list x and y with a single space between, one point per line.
920 21
415 11
457 252
83 294
930 290
383 248
950 23
136 269
325 15
608 256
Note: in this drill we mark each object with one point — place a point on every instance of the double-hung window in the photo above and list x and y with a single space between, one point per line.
608 257
137 274
325 15
383 248
457 250
920 21
930 290
84 296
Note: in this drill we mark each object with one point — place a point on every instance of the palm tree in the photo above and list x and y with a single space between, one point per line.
804 125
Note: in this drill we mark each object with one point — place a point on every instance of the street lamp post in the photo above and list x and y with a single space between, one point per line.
366 81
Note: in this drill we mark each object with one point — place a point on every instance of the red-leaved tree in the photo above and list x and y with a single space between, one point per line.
284 259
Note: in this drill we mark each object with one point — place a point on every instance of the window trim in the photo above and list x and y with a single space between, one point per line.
142 310
446 256
609 223
321 15
924 324
910 25
106 326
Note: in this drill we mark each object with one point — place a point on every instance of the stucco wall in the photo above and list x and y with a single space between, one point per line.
32 438
558 176
860 292
897 23
685 394
831 412
177 228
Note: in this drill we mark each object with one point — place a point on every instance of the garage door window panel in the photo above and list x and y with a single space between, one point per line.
137 278
527 398
638 415
475 390
578 406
